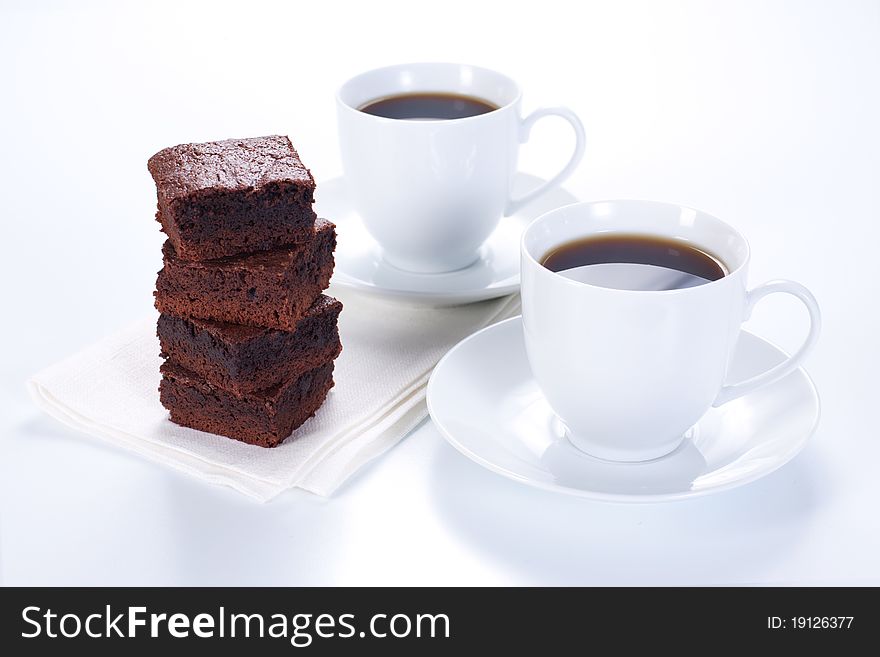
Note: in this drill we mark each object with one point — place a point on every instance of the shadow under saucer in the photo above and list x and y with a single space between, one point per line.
545 538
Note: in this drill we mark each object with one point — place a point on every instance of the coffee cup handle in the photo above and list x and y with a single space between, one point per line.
731 392
515 204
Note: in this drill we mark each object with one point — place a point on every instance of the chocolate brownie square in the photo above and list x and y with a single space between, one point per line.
224 198
243 359
265 418
270 288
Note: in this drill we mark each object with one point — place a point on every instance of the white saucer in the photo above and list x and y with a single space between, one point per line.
483 399
359 264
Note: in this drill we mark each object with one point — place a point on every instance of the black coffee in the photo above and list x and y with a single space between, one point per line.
634 262
428 106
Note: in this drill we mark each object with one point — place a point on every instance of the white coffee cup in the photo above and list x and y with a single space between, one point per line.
628 372
431 191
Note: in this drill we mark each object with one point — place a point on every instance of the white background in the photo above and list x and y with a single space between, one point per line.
762 113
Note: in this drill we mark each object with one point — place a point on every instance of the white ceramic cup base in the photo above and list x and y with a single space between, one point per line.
420 266
600 449
361 267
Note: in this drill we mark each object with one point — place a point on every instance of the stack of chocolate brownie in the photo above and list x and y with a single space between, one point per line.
247 336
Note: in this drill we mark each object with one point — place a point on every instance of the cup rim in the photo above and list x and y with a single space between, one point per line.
342 103
708 285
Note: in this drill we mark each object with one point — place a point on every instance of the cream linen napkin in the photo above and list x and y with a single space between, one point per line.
110 390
